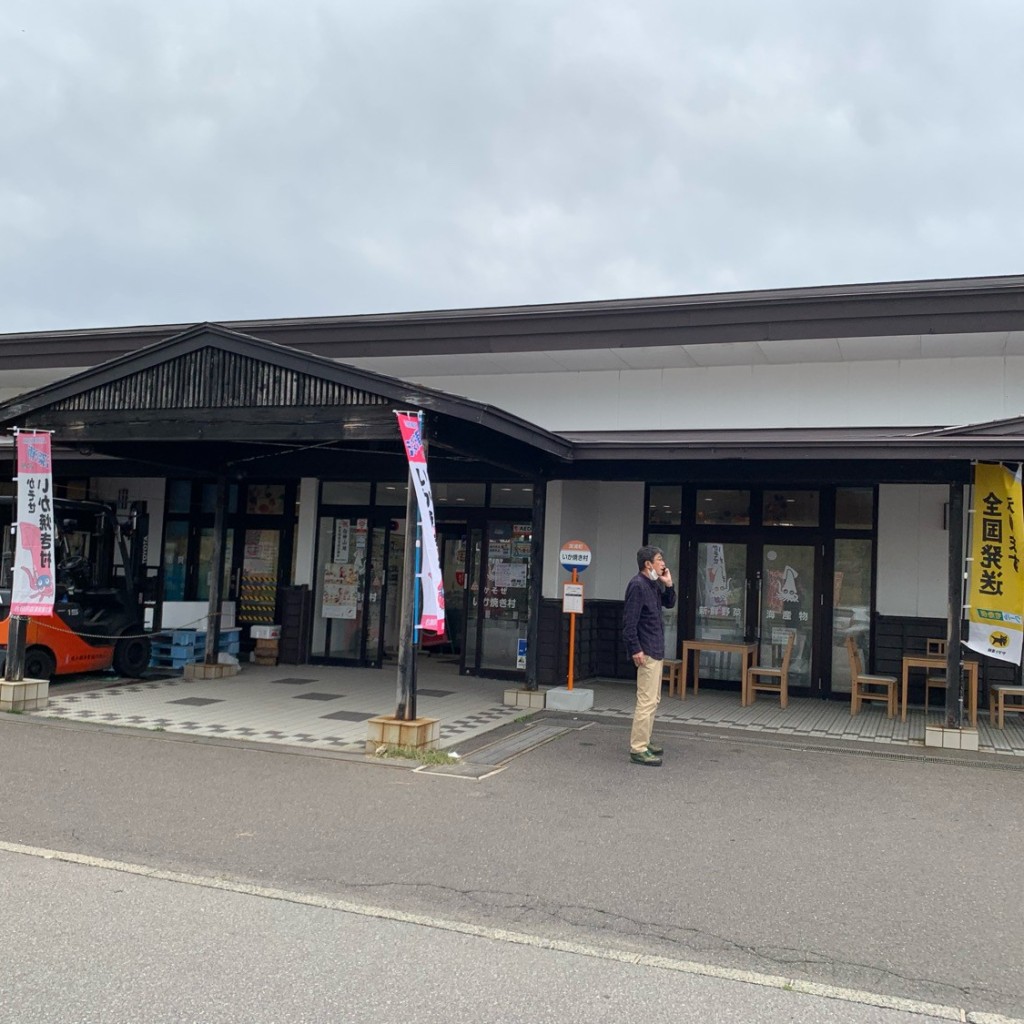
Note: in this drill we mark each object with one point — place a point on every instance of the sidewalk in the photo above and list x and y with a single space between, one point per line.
326 707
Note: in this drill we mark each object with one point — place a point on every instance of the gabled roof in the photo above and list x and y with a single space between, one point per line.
210 384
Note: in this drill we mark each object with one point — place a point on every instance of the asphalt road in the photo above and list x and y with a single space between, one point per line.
103 947
891 875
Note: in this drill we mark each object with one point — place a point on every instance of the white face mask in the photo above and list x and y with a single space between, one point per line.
652 574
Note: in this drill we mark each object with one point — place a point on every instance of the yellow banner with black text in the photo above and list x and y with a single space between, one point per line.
995 599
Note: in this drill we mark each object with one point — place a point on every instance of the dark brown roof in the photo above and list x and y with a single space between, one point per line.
959 305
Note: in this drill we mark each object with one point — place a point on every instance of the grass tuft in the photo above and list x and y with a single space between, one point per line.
412 754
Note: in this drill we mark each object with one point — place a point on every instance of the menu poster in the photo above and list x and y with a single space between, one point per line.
341 591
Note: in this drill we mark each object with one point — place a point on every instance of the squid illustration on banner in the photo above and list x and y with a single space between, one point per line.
996 588
34 585
432 619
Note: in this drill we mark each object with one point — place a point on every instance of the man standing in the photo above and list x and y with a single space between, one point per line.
647 593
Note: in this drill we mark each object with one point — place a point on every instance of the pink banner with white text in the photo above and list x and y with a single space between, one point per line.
34 583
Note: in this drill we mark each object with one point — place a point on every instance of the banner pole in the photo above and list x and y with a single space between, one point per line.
406 709
14 663
954 656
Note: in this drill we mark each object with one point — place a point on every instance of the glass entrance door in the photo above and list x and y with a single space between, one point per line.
454 541
786 599
851 605
721 612
758 591
498 598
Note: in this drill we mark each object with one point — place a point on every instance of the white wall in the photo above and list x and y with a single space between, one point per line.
911 392
913 551
195 615
305 531
609 517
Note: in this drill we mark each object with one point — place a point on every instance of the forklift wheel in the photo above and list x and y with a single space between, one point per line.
131 656
39 663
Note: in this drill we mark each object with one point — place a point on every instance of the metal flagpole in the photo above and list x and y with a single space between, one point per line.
14 664
409 630
955 606
406 709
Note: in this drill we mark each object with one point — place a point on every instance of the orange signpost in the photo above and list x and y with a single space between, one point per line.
575 557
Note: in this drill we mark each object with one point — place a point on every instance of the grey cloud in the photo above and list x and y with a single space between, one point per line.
222 160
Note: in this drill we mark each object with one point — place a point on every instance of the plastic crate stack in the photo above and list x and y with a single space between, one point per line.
177 648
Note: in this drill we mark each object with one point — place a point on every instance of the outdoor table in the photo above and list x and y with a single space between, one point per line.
932 661
747 652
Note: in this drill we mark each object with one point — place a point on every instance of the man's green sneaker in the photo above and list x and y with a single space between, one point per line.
653 748
645 757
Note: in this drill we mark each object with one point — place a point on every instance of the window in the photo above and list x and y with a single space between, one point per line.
790 508
720 508
855 508
665 506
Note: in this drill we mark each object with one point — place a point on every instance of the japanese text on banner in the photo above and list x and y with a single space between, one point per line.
34 585
996 590
432 618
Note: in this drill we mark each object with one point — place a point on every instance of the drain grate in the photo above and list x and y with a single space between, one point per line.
504 750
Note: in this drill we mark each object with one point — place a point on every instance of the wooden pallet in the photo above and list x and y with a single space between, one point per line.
177 648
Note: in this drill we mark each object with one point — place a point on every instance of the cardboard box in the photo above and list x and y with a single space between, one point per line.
265 632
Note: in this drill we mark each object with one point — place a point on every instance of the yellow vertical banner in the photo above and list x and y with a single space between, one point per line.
996 580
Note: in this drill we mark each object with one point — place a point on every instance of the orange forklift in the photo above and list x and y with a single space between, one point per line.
98 619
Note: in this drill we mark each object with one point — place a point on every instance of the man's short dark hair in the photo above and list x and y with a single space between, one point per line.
647 554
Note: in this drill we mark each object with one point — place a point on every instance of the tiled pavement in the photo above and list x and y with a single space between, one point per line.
300 705
326 707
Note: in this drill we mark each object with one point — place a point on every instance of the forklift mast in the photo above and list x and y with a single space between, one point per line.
88 531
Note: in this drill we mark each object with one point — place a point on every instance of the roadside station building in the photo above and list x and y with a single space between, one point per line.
800 455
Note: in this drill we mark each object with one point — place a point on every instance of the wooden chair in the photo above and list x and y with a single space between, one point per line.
771 680
867 687
934 679
672 673
998 705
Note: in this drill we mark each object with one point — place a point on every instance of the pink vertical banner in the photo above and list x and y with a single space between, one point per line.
432 619
34 583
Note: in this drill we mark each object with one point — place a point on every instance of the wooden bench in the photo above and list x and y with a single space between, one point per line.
672 673
998 704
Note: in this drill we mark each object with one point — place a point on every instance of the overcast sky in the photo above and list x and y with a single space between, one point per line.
166 161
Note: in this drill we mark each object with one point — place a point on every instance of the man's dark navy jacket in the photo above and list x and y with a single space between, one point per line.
642 629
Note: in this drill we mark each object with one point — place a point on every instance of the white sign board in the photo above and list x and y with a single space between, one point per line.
572 598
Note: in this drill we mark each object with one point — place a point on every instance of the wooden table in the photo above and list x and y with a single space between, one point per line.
938 663
747 652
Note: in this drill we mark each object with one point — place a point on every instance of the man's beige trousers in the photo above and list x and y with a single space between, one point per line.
648 693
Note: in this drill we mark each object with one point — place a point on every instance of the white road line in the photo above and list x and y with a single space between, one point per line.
848 995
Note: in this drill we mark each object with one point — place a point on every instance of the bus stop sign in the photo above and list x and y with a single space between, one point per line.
574 555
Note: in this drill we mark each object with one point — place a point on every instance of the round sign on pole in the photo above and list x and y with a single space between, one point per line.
574 555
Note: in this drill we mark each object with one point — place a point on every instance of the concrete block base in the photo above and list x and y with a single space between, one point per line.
417 733
24 695
951 739
533 699
200 670
561 698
